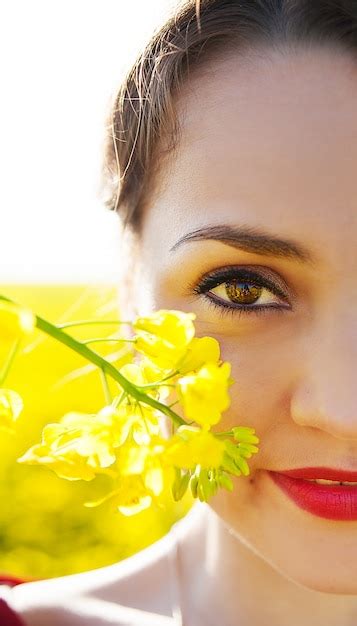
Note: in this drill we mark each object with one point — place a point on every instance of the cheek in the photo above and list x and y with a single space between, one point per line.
259 384
264 370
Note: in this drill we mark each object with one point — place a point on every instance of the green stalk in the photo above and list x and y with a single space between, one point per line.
224 434
59 335
106 389
90 322
101 340
5 370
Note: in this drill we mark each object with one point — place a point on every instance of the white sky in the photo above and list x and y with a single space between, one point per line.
60 62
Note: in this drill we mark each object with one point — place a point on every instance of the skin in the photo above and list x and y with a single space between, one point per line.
274 147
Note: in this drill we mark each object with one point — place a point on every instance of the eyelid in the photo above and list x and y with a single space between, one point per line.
261 275
274 281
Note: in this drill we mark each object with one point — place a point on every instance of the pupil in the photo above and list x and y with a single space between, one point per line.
243 293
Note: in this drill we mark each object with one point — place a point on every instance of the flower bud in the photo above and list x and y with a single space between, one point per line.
225 481
194 485
243 465
180 485
244 434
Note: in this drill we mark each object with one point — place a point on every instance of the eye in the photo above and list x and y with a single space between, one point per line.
244 290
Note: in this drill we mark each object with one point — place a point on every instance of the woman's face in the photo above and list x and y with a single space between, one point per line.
269 148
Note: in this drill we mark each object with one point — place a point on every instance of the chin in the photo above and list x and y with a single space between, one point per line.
317 559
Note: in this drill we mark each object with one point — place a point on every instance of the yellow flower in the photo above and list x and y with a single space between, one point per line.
192 446
144 374
142 477
174 326
136 421
132 458
200 350
15 321
69 464
11 405
79 446
134 373
82 445
129 498
164 336
204 394
144 460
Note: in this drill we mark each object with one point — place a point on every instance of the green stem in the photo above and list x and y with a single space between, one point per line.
118 400
161 382
102 340
85 322
171 375
107 394
6 368
154 385
225 433
59 335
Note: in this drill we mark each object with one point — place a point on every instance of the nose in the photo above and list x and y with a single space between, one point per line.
325 395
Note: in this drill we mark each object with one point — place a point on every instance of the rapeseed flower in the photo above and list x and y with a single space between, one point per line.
163 337
123 438
129 497
76 448
204 394
199 351
82 444
142 476
191 446
146 373
79 445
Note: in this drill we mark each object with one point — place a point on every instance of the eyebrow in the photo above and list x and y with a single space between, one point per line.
249 239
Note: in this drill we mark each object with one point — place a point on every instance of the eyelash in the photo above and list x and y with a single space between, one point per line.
217 277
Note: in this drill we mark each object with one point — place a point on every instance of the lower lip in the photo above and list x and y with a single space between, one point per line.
329 501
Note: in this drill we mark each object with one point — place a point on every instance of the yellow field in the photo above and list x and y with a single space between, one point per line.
45 530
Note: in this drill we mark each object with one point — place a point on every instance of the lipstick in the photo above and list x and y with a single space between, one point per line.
331 501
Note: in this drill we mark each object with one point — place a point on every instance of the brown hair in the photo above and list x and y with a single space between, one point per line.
143 128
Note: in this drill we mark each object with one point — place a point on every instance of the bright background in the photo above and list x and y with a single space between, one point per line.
60 63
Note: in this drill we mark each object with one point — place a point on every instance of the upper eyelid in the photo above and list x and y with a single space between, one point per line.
253 279
272 279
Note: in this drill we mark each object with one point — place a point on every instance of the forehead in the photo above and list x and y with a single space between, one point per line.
268 139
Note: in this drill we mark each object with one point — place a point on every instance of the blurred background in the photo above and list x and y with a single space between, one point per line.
62 61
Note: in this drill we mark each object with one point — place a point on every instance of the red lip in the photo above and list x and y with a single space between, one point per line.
321 472
329 501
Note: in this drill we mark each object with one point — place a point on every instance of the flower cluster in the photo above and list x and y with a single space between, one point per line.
124 439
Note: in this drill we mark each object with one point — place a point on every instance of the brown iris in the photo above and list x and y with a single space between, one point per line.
243 293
